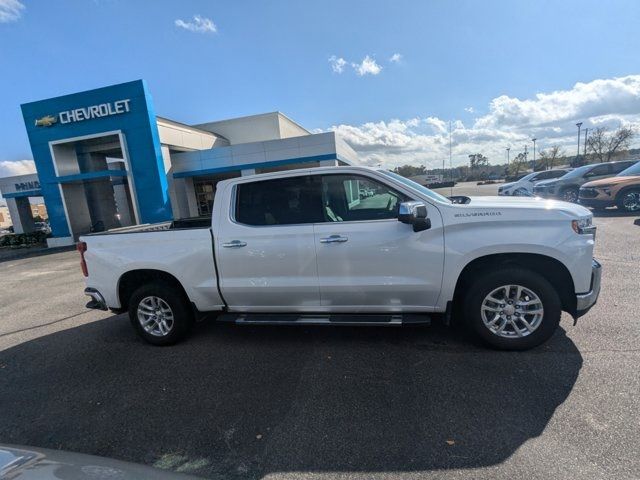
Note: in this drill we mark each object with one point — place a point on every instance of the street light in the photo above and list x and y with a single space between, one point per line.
586 132
534 153
508 150
579 124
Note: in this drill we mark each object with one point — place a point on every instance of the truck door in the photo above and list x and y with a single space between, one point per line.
265 247
367 259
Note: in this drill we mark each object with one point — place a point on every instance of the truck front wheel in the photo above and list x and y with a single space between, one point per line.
512 308
160 314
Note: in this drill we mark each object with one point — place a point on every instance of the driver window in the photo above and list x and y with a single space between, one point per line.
349 198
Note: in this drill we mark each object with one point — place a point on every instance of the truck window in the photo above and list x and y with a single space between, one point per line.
348 198
282 201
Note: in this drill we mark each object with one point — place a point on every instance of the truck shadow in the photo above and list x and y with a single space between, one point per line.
248 401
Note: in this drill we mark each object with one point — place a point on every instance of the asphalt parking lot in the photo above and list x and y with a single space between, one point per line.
302 402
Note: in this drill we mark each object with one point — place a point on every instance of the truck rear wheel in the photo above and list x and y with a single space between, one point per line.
160 314
512 309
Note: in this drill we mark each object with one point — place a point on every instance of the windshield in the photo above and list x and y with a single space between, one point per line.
416 186
578 172
631 171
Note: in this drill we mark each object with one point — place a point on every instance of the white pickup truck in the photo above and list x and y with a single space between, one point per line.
307 247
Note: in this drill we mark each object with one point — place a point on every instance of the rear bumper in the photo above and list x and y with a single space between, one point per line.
97 301
584 301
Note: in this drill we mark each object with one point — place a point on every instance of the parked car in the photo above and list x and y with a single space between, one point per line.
622 191
568 186
34 463
301 247
524 186
42 227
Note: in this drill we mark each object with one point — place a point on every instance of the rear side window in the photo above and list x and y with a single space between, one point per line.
620 166
282 201
599 170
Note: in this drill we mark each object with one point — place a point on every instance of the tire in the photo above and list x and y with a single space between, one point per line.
629 200
159 301
569 195
478 309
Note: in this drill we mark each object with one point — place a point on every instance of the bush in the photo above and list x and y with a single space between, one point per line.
17 240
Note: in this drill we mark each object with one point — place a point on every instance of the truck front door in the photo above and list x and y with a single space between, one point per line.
367 260
265 247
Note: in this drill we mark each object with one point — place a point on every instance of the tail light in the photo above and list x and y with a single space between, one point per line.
82 247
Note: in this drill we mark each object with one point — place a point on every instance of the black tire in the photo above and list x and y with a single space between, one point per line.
570 194
626 206
486 283
174 298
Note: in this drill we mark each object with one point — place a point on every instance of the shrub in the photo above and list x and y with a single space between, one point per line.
17 240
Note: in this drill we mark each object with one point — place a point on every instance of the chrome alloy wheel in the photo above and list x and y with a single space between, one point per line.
570 195
512 311
155 316
631 201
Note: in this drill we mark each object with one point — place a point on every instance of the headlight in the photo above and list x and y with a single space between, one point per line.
583 226
606 189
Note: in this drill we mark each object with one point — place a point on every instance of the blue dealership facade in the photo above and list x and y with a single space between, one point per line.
104 160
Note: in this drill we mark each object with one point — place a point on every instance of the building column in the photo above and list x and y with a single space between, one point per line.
191 197
20 211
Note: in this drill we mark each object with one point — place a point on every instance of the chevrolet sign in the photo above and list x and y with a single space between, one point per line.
86 113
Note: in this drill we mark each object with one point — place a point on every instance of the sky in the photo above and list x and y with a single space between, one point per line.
389 76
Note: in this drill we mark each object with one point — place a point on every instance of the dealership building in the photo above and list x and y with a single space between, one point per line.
105 160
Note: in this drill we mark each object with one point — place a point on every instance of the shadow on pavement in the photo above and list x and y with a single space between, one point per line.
243 402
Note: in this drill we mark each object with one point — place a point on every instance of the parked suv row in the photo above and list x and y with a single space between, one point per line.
524 186
622 191
567 187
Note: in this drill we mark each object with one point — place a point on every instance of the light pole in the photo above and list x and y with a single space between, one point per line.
534 153
586 132
508 150
579 124
525 154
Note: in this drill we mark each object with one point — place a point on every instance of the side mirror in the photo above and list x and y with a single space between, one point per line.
414 213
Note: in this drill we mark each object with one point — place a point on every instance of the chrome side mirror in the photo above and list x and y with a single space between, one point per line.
414 213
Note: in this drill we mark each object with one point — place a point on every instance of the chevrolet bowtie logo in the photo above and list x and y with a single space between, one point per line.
46 121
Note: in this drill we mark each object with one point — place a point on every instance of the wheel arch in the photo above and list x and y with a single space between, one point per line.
625 189
548 267
131 280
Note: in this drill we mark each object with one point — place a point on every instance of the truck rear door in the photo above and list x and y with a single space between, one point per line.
265 245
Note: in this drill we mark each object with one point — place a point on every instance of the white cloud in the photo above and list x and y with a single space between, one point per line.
199 24
368 66
469 110
18 167
396 58
10 10
337 64
549 117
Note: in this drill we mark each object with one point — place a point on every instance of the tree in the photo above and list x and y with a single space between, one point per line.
549 158
603 146
410 170
477 160
517 164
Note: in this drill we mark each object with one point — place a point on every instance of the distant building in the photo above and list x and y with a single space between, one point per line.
5 217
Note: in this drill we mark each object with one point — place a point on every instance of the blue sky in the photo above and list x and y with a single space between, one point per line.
477 63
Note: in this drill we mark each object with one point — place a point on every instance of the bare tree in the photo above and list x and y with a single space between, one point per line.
517 164
550 157
604 145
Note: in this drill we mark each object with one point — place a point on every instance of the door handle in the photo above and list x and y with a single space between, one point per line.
234 244
334 239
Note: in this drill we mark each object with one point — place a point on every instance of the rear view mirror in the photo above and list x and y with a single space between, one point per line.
414 213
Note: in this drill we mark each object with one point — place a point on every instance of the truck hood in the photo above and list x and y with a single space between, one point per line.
612 181
527 203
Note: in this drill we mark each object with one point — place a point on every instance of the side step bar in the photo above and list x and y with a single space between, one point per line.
324 319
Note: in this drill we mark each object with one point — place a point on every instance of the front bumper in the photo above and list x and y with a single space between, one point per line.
584 301
596 202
